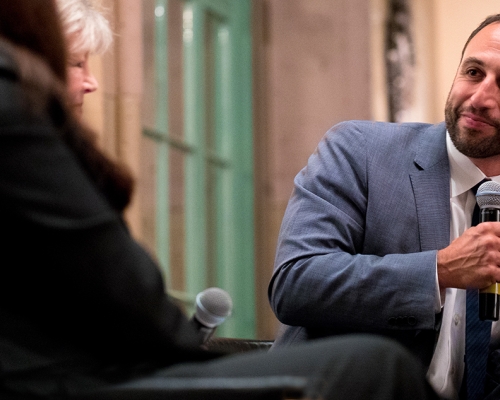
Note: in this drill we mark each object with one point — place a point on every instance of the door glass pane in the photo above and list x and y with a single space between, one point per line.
210 134
146 190
175 69
149 65
163 67
177 218
210 56
162 176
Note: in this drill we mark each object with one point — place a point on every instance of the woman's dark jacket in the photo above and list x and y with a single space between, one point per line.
80 301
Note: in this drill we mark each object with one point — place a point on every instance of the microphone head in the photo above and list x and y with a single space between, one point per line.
488 195
213 306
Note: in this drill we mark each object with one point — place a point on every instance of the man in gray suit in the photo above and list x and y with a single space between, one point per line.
376 236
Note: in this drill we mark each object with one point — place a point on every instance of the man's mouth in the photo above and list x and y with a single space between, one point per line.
475 121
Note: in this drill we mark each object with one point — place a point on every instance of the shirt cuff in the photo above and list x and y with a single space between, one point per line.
440 295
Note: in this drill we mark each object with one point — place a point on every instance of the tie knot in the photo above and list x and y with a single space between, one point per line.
476 186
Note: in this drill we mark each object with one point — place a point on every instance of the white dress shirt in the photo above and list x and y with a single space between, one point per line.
447 365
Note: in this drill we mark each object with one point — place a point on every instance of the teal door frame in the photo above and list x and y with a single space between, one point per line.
218 147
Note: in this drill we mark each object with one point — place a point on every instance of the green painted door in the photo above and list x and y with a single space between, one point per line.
197 179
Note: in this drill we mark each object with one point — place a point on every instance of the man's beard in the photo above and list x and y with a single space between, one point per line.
470 141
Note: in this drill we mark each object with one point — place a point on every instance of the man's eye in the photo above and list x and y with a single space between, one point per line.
472 72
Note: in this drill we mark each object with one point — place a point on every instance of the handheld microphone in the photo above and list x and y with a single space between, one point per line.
488 199
213 306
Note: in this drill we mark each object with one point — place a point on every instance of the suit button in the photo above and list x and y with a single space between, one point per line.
412 321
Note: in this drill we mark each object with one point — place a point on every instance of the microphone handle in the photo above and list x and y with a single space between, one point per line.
206 334
489 298
204 331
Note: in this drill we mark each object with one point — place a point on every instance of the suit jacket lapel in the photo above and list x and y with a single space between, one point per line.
431 188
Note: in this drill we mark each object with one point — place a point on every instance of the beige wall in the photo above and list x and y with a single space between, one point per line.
114 110
312 70
318 75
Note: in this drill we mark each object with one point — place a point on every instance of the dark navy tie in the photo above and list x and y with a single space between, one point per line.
477 336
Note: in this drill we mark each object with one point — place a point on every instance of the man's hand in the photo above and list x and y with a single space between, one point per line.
472 260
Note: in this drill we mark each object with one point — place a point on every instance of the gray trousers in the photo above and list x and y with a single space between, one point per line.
353 367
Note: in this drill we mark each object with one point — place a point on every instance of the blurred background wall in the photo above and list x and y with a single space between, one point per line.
314 64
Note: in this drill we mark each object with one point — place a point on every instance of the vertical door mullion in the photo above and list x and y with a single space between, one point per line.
243 194
194 122
162 173
226 233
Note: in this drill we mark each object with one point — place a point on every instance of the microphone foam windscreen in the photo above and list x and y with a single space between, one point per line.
213 305
488 195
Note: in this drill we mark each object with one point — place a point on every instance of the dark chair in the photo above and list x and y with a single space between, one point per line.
231 346
270 388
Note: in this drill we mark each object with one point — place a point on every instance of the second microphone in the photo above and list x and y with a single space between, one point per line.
488 199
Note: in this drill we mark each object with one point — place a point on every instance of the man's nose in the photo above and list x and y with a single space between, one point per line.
487 94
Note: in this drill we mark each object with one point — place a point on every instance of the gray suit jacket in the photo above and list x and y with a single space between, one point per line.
358 243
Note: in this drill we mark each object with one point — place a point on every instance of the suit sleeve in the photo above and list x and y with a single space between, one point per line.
348 256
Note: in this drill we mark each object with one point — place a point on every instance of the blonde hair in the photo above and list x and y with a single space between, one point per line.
85 27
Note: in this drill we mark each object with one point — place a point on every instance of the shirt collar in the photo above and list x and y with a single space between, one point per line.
463 173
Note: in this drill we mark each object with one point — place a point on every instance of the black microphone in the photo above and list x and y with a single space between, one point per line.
213 306
488 199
